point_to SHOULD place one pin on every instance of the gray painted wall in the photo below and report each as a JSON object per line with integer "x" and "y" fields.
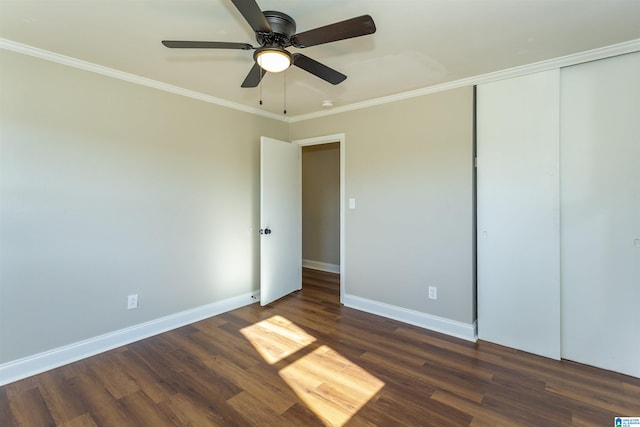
{"x": 409, "y": 165}
{"x": 109, "y": 188}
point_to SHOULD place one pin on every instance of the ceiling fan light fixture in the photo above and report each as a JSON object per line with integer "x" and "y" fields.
{"x": 273, "y": 59}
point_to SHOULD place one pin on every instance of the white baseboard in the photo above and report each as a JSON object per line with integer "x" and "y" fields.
{"x": 439, "y": 324}
{"x": 322, "y": 266}
{"x": 41, "y": 362}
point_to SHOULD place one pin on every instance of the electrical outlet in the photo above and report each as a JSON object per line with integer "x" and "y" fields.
{"x": 433, "y": 292}
{"x": 132, "y": 301}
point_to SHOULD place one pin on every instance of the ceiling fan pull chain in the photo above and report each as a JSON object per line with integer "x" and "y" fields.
{"x": 261, "y": 85}
{"x": 285, "y": 92}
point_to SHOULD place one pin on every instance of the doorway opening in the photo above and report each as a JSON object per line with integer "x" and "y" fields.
{"x": 321, "y": 207}
{"x": 323, "y": 192}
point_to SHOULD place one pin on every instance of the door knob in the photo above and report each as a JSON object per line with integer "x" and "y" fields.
{"x": 265, "y": 231}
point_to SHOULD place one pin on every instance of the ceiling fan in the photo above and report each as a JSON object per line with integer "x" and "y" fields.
{"x": 276, "y": 31}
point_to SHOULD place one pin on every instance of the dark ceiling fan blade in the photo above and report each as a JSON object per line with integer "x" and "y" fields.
{"x": 254, "y": 16}
{"x": 253, "y": 78}
{"x": 317, "y": 69}
{"x": 354, "y": 27}
{"x": 183, "y": 44}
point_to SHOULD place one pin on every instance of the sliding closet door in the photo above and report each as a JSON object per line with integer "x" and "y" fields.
{"x": 600, "y": 164}
{"x": 518, "y": 213}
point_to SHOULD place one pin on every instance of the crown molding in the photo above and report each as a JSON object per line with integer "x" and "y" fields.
{"x": 564, "y": 61}
{"x": 132, "y": 78}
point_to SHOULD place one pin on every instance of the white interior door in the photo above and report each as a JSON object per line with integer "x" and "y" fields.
{"x": 280, "y": 219}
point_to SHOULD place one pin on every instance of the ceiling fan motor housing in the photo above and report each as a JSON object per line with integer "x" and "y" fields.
{"x": 282, "y": 26}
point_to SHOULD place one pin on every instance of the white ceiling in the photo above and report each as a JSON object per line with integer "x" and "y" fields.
{"x": 418, "y": 43}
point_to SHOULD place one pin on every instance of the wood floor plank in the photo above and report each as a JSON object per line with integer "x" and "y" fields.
{"x": 182, "y": 411}
{"x": 60, "y": 397}
{"x": 300, "y": 414}
{"x": 256, "y": 413}
{"x": 260, "y": 391}
{"x": 141, "y": 411}
{"x": 268, "y": 374}
{"x": 617, "y": 406}
{"x": 536, "y": 407}
{"x": 229, "y": 345}
{"x": 84, "y": 420}
{"x": 419, "y": 410}
{"x": 103, "y": 408}
{"x": 481, "y": 415}
{"x": 114, "y": 379}
{"x": 28, "y": 408}
{"x": 146, "y": 379}
{"x": 305, "y": 360}
{"x": 5, "y": 409}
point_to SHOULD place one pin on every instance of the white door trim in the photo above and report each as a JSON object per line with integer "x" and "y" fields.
{"x": 339, "y": 137}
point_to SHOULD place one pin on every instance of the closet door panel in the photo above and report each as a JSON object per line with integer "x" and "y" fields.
{"x": 600, "y": 213}
{"x": 518, "y": 213}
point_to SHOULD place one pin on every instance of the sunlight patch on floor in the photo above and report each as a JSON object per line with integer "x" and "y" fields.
{"x": 276, "y": 338}
{"x": 332, "y": 386}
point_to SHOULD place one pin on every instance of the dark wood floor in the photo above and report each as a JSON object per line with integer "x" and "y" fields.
{"x": 308, "y": 361}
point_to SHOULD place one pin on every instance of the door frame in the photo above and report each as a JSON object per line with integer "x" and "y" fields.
{"x": 326, "y": 139}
